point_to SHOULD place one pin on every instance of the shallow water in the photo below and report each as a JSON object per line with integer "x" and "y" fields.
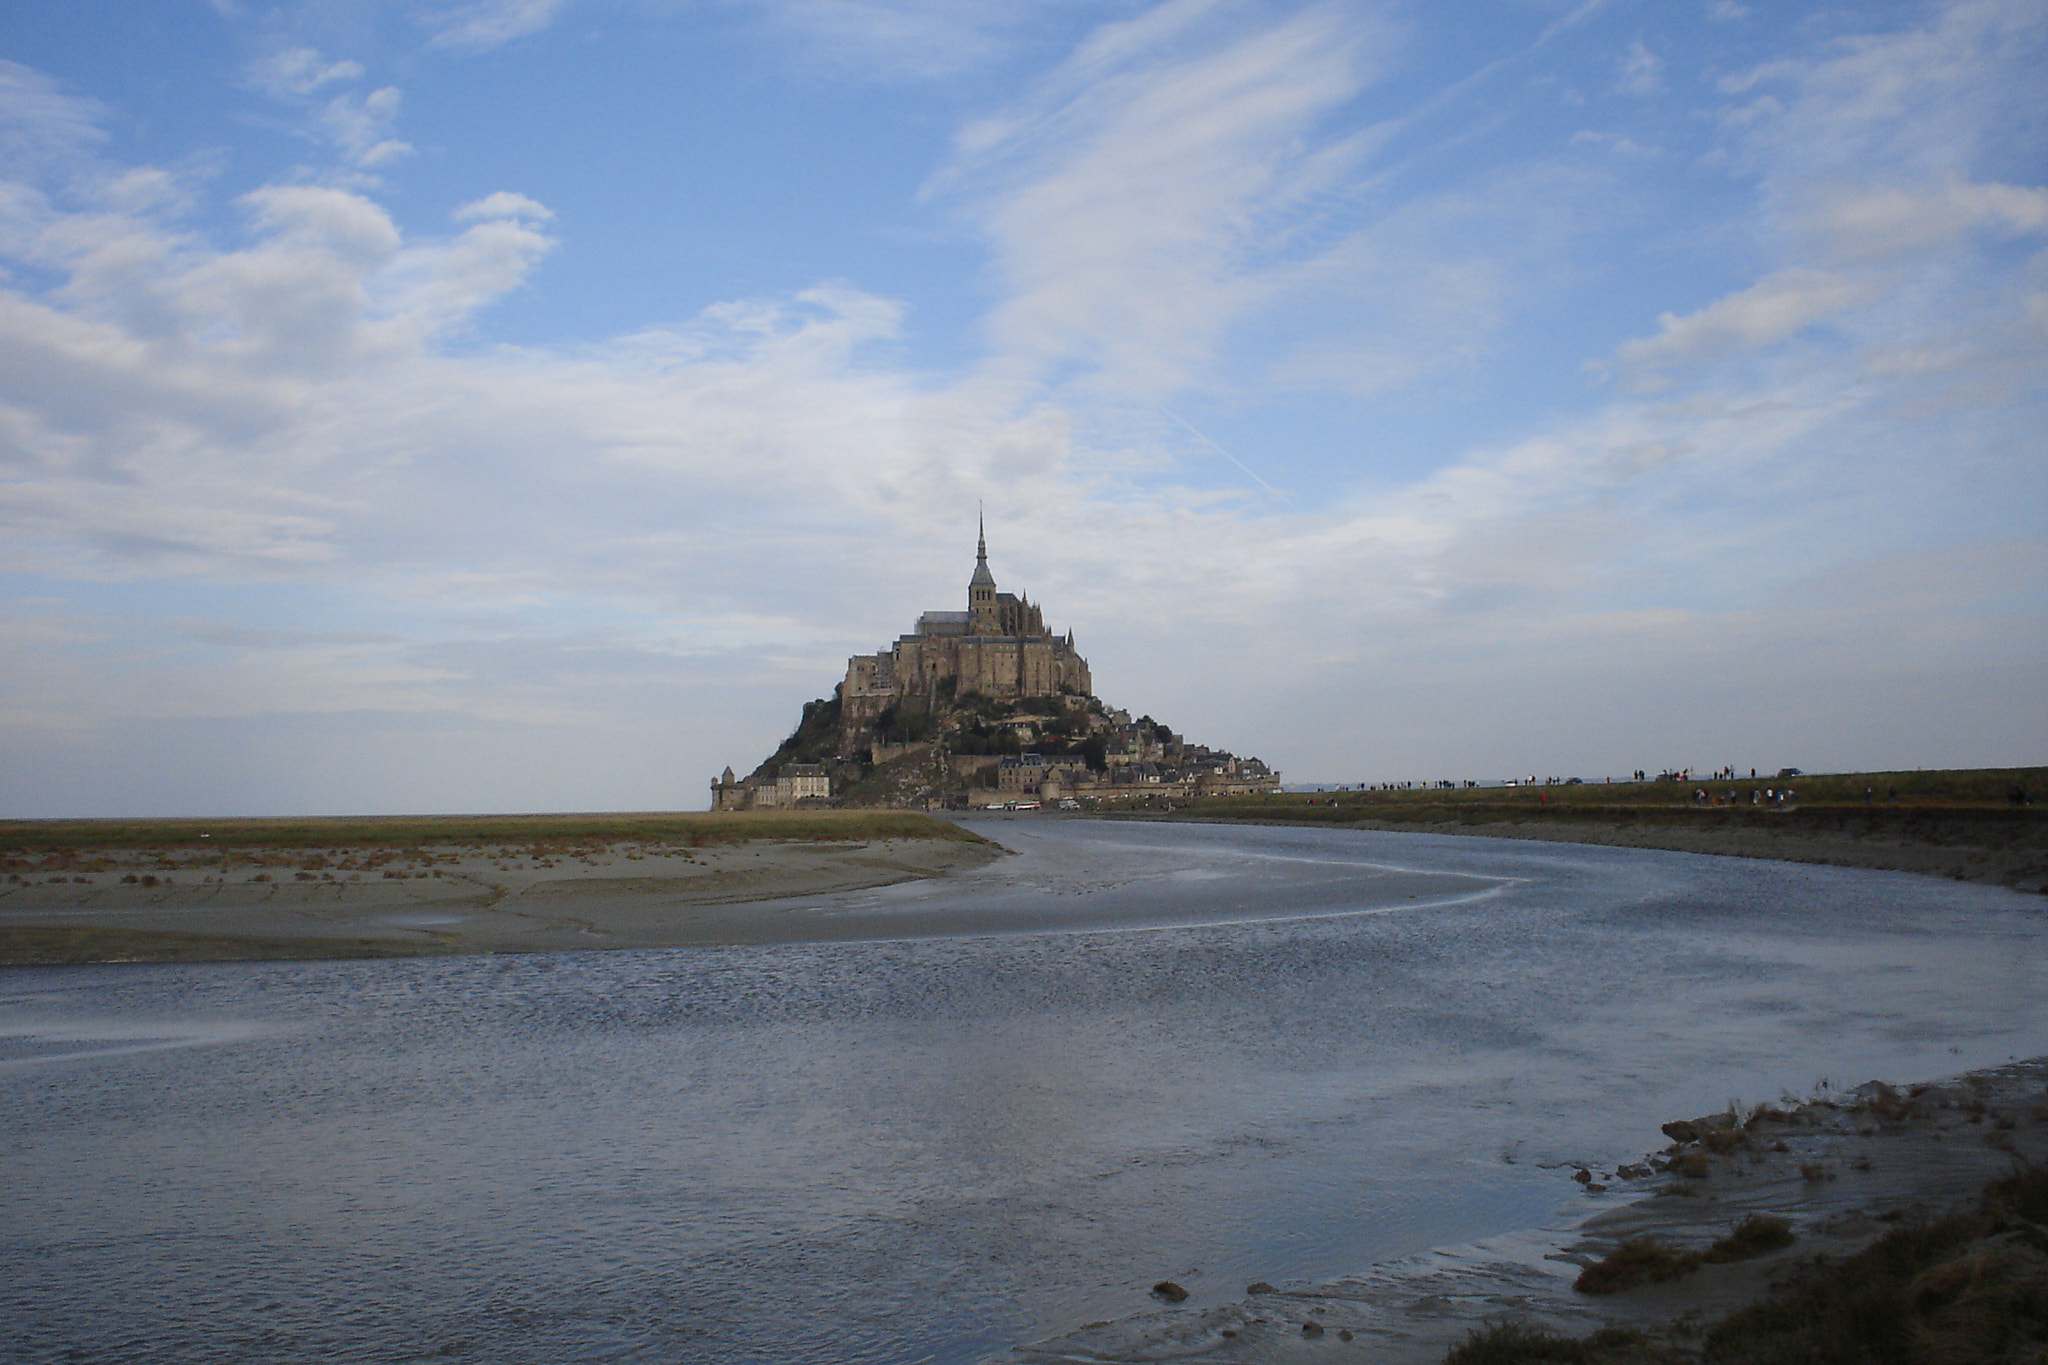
{"x": 1243, "y": 1053}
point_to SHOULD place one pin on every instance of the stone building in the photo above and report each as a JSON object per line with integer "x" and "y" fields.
{"x": 983, "y": 700}
{"x": 796, "y": 782}
{"x": 998, "y": 647}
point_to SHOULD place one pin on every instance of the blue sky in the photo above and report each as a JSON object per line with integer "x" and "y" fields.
{"x": 527, "y": 404}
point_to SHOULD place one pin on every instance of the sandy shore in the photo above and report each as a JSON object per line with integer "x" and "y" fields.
{"x": 191, "y": 905}
{"x": 1841, "y": 1170}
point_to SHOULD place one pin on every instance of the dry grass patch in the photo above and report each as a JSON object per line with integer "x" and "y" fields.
{"x": 57, "y": 842}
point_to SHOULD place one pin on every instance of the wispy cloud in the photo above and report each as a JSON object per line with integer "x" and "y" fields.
{"x": 295, "y": 71}
{"x": 1642, "y": 71}
{"x": 480, "y": 25}
{"x": 1767, "y": 312}
{"x": 1785, "y": 499}
{"x": 1142, "y": 199}
{"x": 898, "y": 40}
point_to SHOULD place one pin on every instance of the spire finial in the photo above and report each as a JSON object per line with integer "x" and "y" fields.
{"x": 982, "y": 577}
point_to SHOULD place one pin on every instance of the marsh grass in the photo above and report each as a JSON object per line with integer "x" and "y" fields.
{"x": 1756, "y": 1235}
{"x": 1968, "y": 806}
{"x": 1645, "y": 1260}
{"x": 540, "y": 835}
{"x": 1639, "y": 1260}
{"x": 1513, "y": 1344}
{"x": 39, "y": 946}
{"x": 1968, "y": 1288}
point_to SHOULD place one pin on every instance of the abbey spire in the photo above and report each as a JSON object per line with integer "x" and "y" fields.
{"x": 982, "y": 615}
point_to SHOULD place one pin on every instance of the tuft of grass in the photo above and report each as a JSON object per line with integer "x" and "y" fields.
{"x": 1639, "y": 1260}
{"x": 1691, "y": 1166}
{"x": 1961, "y": 1288}
{"x": 1645, "y": 1260}
{"x": 1755, "y": 1235}
{"x": 1953, "y": 1291}
{"x": 1510, "y": 1343}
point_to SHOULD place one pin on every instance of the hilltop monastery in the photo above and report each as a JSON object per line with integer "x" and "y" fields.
{"x": 984, "y": 698}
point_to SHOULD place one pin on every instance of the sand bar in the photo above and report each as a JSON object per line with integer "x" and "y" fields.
{"x": 192, "y": 902}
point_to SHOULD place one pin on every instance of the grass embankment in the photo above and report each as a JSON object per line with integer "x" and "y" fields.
{"x": 694, "y": 829}
{"x": 1891, "y": 794}
{"x": 1961, "y": 823}
{"x": 1969, "y": 1287}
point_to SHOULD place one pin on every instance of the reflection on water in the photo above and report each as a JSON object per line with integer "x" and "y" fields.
{"x": 930, "y": 1149}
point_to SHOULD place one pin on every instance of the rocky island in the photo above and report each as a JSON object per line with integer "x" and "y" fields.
{"x": 980, "y": 707}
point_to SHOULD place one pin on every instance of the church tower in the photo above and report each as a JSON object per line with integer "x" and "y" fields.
{"x": 982, "y": 618}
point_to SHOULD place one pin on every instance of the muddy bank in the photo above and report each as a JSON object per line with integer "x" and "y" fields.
{"x": 1840, "y": 1169}
{"x": 155, "y": 905}
{"x": 1992, "y": 847}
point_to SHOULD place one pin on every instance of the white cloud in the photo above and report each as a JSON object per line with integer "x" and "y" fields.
{"x": 1878, "y": 222}
{"x": 1642, "y": 71}
{"x": 503, "y": 204}
{"x": 40, "y": 124}
{"x": 296, "y": 71}
{"x": 359, "y": 126}
{"x": 1913, "y": 106}
{"x": 1767, "y": 312}
{"x": 1133, "y": 198}
{"x": 913, "y": 39}
{"x": 684, "y": 528}
{"x": 480, "y": 25}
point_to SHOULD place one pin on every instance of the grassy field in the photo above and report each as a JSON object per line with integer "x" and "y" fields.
{"x": 1958, "y": 823}
{"x": 1952, "y": 789}
{"x": 696, "y": 829}
{"x": 1980, "y": 797}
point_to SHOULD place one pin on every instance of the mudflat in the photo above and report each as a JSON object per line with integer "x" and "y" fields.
{"x": 1833, "y": 1172}
{"x": 226, "y": 893}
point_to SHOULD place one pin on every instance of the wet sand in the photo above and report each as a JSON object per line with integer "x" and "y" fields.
{"x": 1842, "y": 1169}
{"x": 158, "y": 905}
{"x": 1994, "y": 848}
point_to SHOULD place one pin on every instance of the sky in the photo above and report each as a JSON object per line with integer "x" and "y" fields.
{"x": 526, "y": 405}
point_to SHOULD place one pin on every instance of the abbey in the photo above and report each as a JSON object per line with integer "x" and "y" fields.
{"x": 976, "y": 704}
{"x": 998, "y": 648}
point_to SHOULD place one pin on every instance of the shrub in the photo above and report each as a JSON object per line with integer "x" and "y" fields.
{"x": 1510, "y": 1343}
{"x": 1753, "y": 1236}
{"x": 1690, "y": 1165}
{"x": 1639, "y": 1260}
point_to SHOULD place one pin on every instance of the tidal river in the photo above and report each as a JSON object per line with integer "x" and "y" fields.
{"x": 1131, "y": 1052}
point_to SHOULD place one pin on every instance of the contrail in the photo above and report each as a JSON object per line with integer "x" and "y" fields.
{"x": 1224, "y": 453}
